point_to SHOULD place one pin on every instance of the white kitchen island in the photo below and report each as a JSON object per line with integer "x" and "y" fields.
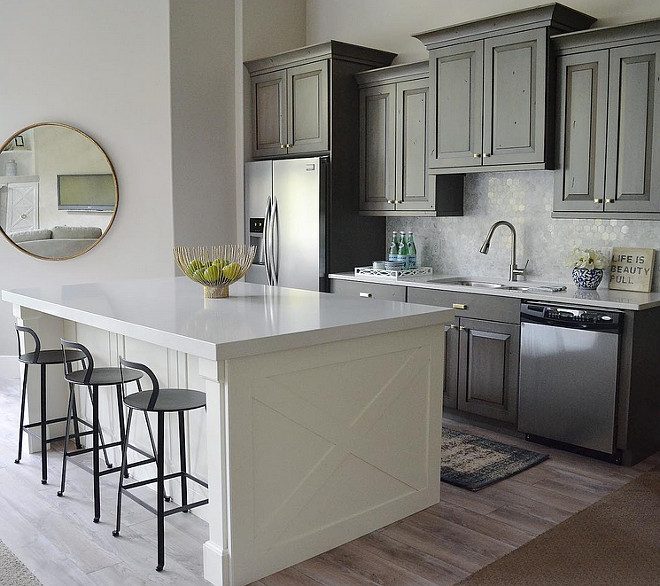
{"x": 323, "y": 417}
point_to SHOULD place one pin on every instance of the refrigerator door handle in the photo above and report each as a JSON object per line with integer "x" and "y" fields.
{"x": 275, "y": 242}
{"x": 267, "y": 242}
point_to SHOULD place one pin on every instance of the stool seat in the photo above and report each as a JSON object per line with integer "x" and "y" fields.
{"x": 104, "y": 376}
{"x": 50, "y": 357}
{"x": 167, "y": 400}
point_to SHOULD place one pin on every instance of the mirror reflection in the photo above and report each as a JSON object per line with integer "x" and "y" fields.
{"x": 58, "y": 191}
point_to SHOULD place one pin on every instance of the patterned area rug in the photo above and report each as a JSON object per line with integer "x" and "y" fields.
{"x": 13, "y": 571}
{"x": 474, "y": 462}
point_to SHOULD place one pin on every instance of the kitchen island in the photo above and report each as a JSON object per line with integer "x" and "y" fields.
{"x": 323, "y": 414}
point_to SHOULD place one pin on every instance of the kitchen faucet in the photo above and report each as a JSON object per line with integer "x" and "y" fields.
{"x": 514, "y": 271}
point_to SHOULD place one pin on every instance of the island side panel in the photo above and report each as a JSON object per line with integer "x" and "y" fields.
{"x": 330, "y": 442}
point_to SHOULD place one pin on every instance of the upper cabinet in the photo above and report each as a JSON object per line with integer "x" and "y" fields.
{"x": 609, "y": 123}
{"x": 492, "y": 91}
{"x": 394, "y": 111}
{"x": 292, "y": 95}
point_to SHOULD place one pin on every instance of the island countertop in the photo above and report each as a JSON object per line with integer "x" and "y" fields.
{"x": 254, "y": 319}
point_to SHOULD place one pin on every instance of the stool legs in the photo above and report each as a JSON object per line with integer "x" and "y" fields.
{"x": 20, "y": 423}
{"x": 44, "y": 457}
{"x": 95, "y": 452}
{"x": 100, "y": 431}
{"x": 160, "y": 493}
{"x": 182, "y": 456}
{"x": 124, "y": 470}
{"x": 67, "y": 428}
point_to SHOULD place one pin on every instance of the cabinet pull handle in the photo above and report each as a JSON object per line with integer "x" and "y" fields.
{"x": 597, "y": 200}
{"x": 366, "y": 295}
{"x": 453, "y": 326}
{"x": 462, "y": 329}
{"x": 288, "y": 146}
{"x": 391, "y": 201}
{"x": 459, "y": 305}
{"x": 609, "y": 200}
{"x": 282, "y": 146}
{"x": 399, "y": 201}
{"x": 486, "y": 154}
{"x": 476, "y": 155}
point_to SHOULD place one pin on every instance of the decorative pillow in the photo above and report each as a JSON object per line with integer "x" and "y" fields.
{"x": 76, "y": 232}
{"x": 28, "y": 235}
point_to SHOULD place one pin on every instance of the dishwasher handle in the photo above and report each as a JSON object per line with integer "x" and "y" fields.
{"x": 577, "y": 318}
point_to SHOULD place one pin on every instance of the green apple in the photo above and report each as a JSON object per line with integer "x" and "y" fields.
{"x": 221, "y": 263}
{"x": 231, "y": 271}
{"x": 212, "y": 273}
{"x": 193, "y": 266}
{"x": 198, "y": 275}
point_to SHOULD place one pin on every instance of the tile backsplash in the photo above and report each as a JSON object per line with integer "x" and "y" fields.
{"x": 524, "y": 198}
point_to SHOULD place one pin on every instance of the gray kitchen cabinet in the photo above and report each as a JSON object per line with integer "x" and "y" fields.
{"x": 367, "y": 290}
{"x": 609, "y": 123}
{"x": 393, "y": 147}
{"x": 293, "y": 93}
{"x": 492, "y": 91}
{"x": 482, "y": 351}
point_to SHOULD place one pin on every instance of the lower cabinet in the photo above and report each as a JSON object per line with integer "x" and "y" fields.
{"x": 481, "y": 352}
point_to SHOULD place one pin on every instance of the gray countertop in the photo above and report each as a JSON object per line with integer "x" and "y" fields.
{"x": 601, "y": 297}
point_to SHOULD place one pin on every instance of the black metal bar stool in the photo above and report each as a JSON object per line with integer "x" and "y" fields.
{"x": 93, "y": 378}
{"x": 159, "y": 401}
{"x": 43, "y": 358}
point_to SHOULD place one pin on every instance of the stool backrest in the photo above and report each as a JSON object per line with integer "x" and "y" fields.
{"x": 37, "y": 343}
{"x": 155, "y": 387}
{"x": 68, "y": 345}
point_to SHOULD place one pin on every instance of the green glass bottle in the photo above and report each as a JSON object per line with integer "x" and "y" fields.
{"x": 402, "y": 255}
{"x": 394, "y": 248}
{"x": 412, "y": 252}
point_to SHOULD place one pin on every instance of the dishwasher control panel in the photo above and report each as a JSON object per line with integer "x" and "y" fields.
{"x": 582, "y": 318}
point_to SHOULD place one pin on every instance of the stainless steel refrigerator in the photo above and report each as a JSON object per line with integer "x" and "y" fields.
{"x": 285, "y": 203}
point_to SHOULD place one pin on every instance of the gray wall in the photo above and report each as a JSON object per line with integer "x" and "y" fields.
{"x": 524, "y": 198}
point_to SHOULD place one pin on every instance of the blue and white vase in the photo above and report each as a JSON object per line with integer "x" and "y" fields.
{"x": 587, "y": 278}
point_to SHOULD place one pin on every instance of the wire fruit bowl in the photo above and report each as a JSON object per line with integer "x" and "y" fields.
{"x": 215, "y": 267}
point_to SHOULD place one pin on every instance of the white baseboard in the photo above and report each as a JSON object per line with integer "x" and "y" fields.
{"x": 9, "y": 367}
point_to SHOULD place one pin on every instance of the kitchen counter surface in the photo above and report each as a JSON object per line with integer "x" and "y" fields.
{"x": 254, "y": 319}
{"x": 601, "y": 297}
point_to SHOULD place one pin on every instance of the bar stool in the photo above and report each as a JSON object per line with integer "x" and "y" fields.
{"x": 94, "y": 378}
{"x": 159, "y": 401}
{"x": 43, "y": 358}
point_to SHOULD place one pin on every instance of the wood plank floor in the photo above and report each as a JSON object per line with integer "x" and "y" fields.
{"x": 56, "y": 539}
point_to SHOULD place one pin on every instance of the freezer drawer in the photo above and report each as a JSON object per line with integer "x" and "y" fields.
{"x": 568, "y": 385}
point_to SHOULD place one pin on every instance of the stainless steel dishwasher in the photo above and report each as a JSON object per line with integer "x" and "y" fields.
{"x": 568, "y": 375}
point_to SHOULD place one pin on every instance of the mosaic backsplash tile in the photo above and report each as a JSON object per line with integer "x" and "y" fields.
{"x": 524, "y": 198}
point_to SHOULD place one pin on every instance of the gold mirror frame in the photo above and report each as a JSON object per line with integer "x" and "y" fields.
{"x": 112, "y": 171}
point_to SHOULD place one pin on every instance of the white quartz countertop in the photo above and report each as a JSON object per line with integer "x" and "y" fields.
{"x": 254, "y": 319}
{"x": 601, "y": 297}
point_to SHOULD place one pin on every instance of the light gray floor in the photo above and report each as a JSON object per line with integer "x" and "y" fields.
{"x": 56, "y": 538}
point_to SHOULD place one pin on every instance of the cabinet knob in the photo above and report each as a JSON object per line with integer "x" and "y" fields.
{"x": 453, "y": 326}
{"x": 288, "y": 145}
{"x": 486, "y": 154}
{"x": 476, "y": 155}
{"x": 598, "y": 200}
{"x": 399, "y": 201}
{"x": 391, "y": 201}
{"x": 282, "y": 146}
{"x": 462, "y": 329}
{"x": 459, "y": 305}
{"x": 365, "y": 295}
{"x": 609, "y": 200}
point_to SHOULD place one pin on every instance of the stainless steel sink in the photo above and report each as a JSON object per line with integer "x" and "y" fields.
{"x": 468, "y": 283}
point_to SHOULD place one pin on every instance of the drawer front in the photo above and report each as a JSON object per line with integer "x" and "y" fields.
{"x": 490, "y": 307}
{"x": 368, "y": 290}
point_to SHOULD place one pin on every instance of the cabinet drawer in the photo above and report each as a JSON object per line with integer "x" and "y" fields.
{"x": 500, "y": 309}
{"x": 368, "y": 290}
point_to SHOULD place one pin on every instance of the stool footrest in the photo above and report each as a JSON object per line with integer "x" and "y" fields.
{"x": 167, "y": 513}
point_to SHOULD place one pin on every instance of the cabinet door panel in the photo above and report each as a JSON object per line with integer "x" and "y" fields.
{"x": 450, "y": 394}
{"x": 514, "y": 98}
{"x": 582, "y": 126}
{"x": 488, "y": 370}
{"x": 411, "y": 161}
{"x": 633, "y": 160}
{"x": 455, "y": 132}
{"x": 377, "y": 147}
{"x": 268, "y": 114}
{"x": 307, "y": 92}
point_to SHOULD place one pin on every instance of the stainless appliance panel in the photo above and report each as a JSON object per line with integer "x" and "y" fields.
{"x": 258, "y": 190}
{"x": 568, "y": 383}
{"x": 297, "y": 239}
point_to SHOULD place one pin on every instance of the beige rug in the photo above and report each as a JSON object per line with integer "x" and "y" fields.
{"x": 615, "y": 541}
{"x": 13, "y": 571}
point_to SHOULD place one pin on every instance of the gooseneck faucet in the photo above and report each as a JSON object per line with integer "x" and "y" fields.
{"x": 514, "y": 271}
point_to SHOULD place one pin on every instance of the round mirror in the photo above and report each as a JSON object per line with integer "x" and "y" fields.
{"x": 58, "y": 191}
